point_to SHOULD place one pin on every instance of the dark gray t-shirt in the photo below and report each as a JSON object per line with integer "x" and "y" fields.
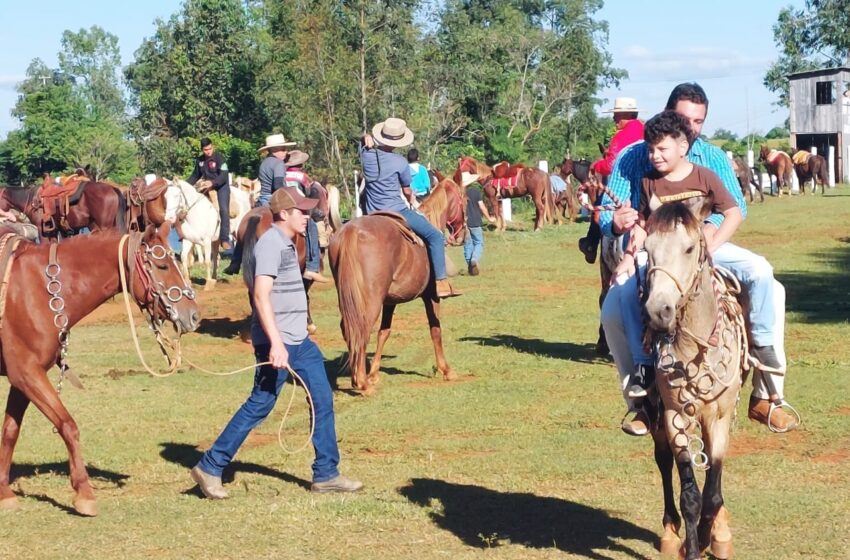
{"x": 271, "y": 168}
{"x": 275, "y": 256}
{"x": 385, "y": 174}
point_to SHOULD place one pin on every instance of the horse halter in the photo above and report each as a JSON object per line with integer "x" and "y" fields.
{"x": 685, "y": 295}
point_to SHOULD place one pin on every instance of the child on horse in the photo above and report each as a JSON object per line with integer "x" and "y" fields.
{"x": 388, "y": 181}
{"x": 298, "y": 178}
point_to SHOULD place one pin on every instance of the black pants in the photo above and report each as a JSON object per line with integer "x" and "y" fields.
{"x": 223, "y": 194}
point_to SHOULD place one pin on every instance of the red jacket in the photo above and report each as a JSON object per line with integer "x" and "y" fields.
{"x": 629, "y": 134}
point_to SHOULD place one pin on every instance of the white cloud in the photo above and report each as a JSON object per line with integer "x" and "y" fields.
{"x": 696, "y": 63}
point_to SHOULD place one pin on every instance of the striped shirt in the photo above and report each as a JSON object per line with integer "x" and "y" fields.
{"x": 633, "y": 164}
{"x": 275, "y": 256}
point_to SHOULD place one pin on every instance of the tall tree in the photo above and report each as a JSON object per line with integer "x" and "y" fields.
{"x": 92, "y": 57}
{"x": 815, "y": 36}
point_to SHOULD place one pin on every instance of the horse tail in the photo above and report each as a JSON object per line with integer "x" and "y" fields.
{"x": 248, "y": 242}
{"x": 333, "y": 208}
{"x": 351, "y": 289}
{"x": 121, "y": 216}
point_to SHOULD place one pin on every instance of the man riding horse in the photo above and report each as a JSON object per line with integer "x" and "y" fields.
{"x": 210, "y": 172}
{"x": 387, "y": 178}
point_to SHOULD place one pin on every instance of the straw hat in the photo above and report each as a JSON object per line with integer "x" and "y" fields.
{"x": 275, "y": 141}
{"x": 297, "y": 157}
{"x": 624, "y": 105}
{"x": 392, "y": 132}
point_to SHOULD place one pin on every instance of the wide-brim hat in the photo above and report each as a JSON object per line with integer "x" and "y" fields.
{"x": 297, "y": 157}
{"x": 287, "y": 198}
{"x": 275, "y": 141}
{"x": 624, "y": 105}
{"x": 392, "y": 132}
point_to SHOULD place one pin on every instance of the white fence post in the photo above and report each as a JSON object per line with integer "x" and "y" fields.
{"x": 831, "y": 161}
{"x": 751, "y": 159}
{"x": 506, "y": 209}
{"x": 357, "y": 210}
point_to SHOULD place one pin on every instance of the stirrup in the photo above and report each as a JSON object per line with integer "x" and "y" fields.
{"x": 782, "y": 404}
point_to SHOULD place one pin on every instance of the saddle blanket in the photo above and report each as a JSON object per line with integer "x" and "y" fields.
{"x": 802, "y": 157}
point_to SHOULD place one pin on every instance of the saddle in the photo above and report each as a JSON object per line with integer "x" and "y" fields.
{"x": 139, "y": 194}
{"x": 801, "y": 157}
{"x": 506, "y": 175}
{"x": 399, "y": 222}
{"x": 56, "y": 200}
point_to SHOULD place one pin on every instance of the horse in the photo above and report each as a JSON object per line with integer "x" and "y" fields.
{"x": 378, "y": 263}
{"x": 698, "y": 327}
{"x": 778, "y": 164}
{"x": 530, "y": 181}
{"x": 566, "y": 203}
{"x": 746, "y": 177}
{"x": 197, "y": 222}
{"x": 97, "y": 206}
{"x": 147, "y": 203}
{"x": 812, "y": 167}
{"x": 55, "y": 285}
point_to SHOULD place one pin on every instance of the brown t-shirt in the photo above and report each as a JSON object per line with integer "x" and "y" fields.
{"x": 657, "y": 190}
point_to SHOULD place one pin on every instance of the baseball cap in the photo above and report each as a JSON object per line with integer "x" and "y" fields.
{"x": 287, "y": 198}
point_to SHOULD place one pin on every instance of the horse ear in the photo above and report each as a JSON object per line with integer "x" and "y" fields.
{"x": 704, "y": 210}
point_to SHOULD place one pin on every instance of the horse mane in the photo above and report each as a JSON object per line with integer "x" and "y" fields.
{"x": 436, "y": 204}
{"x": 669, "y": 216}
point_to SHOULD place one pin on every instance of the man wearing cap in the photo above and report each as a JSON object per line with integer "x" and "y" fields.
{"x": 212, "y": 171}
{"x": 629, "y": 131}
{"x": 279, "y": 336}
{"x": 387, "y": 177}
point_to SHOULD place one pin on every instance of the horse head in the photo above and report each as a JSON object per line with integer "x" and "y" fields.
{"x": 156, "y": 282}
{"x": 469, "y": 171}
{"x": 764, "y": 151}
{"x": 677, "y": 257}
{"x": 445, "y": 208}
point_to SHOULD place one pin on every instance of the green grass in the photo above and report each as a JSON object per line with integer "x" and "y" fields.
{"x": 522, "y": 458}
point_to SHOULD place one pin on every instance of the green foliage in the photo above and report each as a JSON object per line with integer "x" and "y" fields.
{"x": 777, "y": 132}
{"x": 723, "y": 134}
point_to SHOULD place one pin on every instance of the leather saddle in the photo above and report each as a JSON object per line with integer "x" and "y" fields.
{"x": 506, "y": 175}
{"x": 56, "y": 199}
{"x": 399, "y": 222}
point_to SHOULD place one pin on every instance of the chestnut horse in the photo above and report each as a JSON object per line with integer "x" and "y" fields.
{"x": 376, "y": 266}
{"x": 100, "y": 206}
{"x": 701, "y": 344}
{"x": 566, "y": 203}
{"x": 530, "y": 181}
{"x": 814, "y": 168}
{"x": 147, "y": 203}
{"x": 746, "y": 177}
{"x": 54, "y": 285}
{"x": 778, "y": 164}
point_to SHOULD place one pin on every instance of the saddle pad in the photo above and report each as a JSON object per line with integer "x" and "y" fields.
{"x": 399, "y": 221}
{"x": 506, "y": 182}
{"x": 802, "y": 157}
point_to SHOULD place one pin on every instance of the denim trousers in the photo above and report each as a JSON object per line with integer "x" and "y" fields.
{"x": 223, "y": 194}
{"x": 307, "y": 361}
{"x": 433, "y": 238}
{"x": 314, "y": 255}
{"x": 473, "y": 244}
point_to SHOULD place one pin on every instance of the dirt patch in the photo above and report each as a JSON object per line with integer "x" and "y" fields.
{"x": 793, "y": 444}
{"x": 116, "y": 374}
{"x": 843, "y": 411}
{"x": 838, "y": 456}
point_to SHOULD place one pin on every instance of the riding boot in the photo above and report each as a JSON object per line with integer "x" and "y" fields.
{"x": 641, "y": 380}
{"x": 235, "y": 260}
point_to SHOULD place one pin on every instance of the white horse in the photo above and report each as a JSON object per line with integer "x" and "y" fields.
{"x": 240, "y": 204}
{"x": 199, "y": 224}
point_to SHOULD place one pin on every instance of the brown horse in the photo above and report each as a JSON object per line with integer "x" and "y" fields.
{"x": 746, "y": 177}
{"x": 376, "y": 266}
{"x": 778, "y": 164}
{"x": 100, "y": 206}
{"x": 530, "y": 181}
{"x": 566, "y": 203}
{"x": 147, "y": 203}
{"x": 46, "y": 293}
{"x": 699, "y": 330}
{"x": 813, "y": 168}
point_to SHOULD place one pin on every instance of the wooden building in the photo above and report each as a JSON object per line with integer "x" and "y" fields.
{"x": 820, "y": 115}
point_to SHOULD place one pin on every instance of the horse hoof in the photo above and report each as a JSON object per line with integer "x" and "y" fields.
{"x": 10, "y": 504}
{"x": 209, "y": 285}
{"x": 86, "y": 507}
{"x": 449, "y": 375}
{"x": 722, "y": 549}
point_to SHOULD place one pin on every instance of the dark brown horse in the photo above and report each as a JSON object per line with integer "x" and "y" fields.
{"x": 811, "y": 167}
{"x": 100, "y": 206}
{"x": 530, "y": 181}
{"x": 778, "y": 164}
{"x": 566, "y": 203}
{"x": 377, "y": 266}
{"x": 147, "y": 203}
{"x": 85, "y": 273}
{"x": 746, "y": 177}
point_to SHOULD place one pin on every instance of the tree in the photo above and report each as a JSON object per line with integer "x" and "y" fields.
{"x": 723, "y": 134}
{"x": 777, "y": 132}
{"x": 92, "y": 57}
{"x": 816, "y": 36}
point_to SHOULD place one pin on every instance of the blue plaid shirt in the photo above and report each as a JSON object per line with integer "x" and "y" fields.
{"x": 633, "y": 164}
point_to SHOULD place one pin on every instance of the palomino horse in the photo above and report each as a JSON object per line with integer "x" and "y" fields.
{"x": 701, "y": 341}
{"x": 198, "y": 224}
{"x": 100, "y": 206}
{"x": 55, "y": 285}
{"x": 530, "y": 181}
{"x": 376, "y": 266}
{"x": 778, "y": 164}
{"x": 746, "y": 177}
{"x": 811, "y": 167}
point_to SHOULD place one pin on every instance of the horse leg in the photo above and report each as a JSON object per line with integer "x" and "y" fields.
{"x": 208, "y": 256}
{"x": 38, "y": 389}
{"x": 16, "y": 406}
{"x": 432, "y": 310}
{"x": 540, "y": 211}
{"x": 185, "y": 257}
{"x": 383, "y": 334}
{"x": 714, "y": 524}
{"x": 671, "y": 543}
{"x": 690, "y": 502}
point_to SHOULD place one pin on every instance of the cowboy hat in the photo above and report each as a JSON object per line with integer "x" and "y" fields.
{"x": 392, "y": 132}
{"x": 624, "y": 105}
{"x": 297, "y": 157}
{"x": 275, "y": 141}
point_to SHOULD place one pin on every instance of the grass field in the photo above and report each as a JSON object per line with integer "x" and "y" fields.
{"x": 520, "y": 458}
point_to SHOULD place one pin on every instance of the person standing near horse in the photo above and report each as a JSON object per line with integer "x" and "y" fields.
{"x": 296, "y": 177}
{"x": 211, "y": 172}
{"x": 387, "y": 178}
{"x": 421, "y": 180}
{"x": 766, "y": 296}
{"x": 473, "y": 244}
{"x": 629, "y": 130}
{"x": 279, "y": 336}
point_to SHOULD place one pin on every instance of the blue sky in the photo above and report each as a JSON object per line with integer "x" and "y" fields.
{"x": 725, "y": 45}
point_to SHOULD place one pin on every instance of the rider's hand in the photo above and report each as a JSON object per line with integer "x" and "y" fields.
{"x": 278, "y": 356}
{"x": 624, "y": 219}
{"x": 626, "y": 268}
{"x": 368, "y": 141}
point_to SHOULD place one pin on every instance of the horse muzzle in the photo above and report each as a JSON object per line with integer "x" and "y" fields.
{"x": 662, "y": 314}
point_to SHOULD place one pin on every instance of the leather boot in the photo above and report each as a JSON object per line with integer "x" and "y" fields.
{"x": 445, "y": 290}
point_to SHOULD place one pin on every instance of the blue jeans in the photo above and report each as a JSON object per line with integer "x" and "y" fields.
{"x": 433, "y": 238}
{"x": 314, "y": 256}
{"x": 223, "y": 194}
{"x": 756, "y": 277}
{"x": 307, "y": 361}
{"x": 473, "y": 245}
